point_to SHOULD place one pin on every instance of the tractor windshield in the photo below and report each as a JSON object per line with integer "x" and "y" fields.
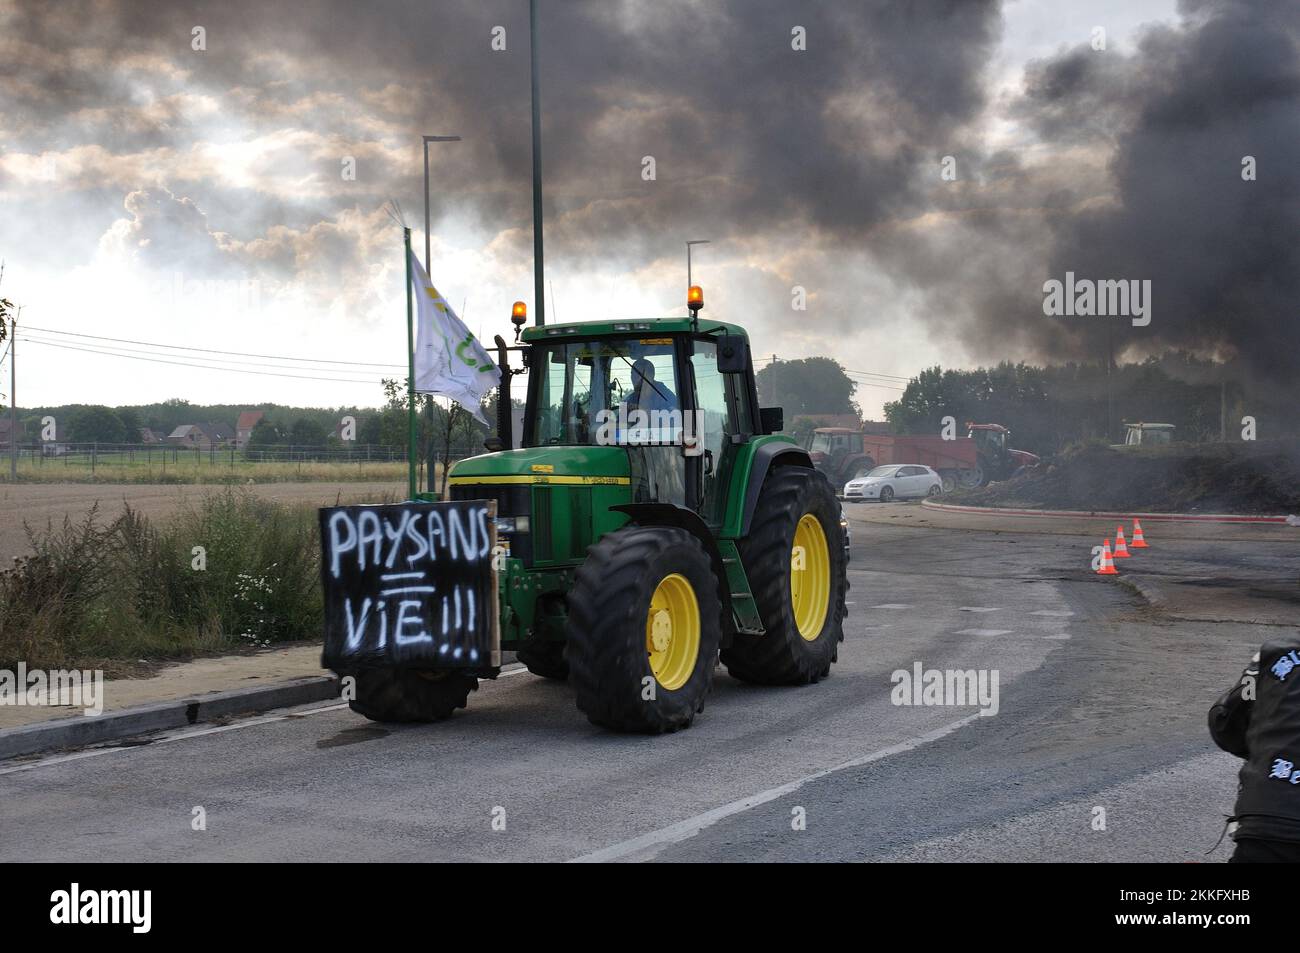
{"x": 605, "y": 391}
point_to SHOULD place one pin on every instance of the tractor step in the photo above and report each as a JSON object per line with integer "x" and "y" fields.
{"x": 744, "y": 610}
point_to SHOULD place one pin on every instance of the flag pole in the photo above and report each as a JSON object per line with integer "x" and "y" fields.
{"x": 411, "y": 431}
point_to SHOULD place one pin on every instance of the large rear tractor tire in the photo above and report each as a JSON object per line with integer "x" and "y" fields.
{"x": 644, "y": 622}
{"x": 403, "y": 695}
{"x": 794, "y": 555}
{"x": 545, "y": 659}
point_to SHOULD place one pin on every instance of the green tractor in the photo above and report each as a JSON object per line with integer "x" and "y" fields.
{"x": 650, "y": 519}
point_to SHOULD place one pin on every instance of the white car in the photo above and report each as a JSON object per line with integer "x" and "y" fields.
{"x": 894, "y": 482}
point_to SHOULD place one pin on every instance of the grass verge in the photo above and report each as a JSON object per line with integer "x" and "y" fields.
{"x": 226, "y": 572}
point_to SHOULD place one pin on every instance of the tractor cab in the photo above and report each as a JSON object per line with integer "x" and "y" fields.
{"x": 997, "y": 459}
{"x": 989, "y": 438}
{"x": 655, "y": 396}
{"x": 832, "y": 442}
{"x": 640, "y": 412}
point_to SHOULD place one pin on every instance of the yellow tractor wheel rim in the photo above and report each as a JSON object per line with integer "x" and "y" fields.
{"x": 672, "y": 632}
{"x": 810, "y": 577}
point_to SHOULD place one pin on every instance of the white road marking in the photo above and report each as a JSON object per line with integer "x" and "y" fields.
{"x": 977, "y": 609}
{"x": 1053, "y": 612}
{"x": 654, "y": 842}
{"x": 1060, "y": 637}
{"x": 892, "y": 605}
{"x": 184, "y": 734}
{"x": 983, "y": 632}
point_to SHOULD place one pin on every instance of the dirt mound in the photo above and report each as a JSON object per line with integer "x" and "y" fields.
{"x": 1258, "y": 478}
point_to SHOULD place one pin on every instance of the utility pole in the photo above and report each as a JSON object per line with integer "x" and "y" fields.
{"x": 539, "y": 291}
{"x": 13, "y": 396}
{"x": 1110, "y": 392}
{"x": 1223, "y": 408}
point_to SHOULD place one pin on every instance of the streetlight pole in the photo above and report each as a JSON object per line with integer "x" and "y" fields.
{"x": 430, "y": 462}
{"x": 427, "y": 140}
{"x": 693, "y": 241}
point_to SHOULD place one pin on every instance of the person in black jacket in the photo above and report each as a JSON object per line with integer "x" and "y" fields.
{"x": 1259, "y": 719}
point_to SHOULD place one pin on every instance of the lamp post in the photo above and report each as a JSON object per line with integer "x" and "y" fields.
{"x": 693, "y": 241}
{"x": 430, "y": 462}
{"x": 427, "y": 140}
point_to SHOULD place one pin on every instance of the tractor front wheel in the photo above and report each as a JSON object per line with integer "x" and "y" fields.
{"x": 644, "y": 623}
{"x": 403, "y": 695}
{"x": 794, "y": 554}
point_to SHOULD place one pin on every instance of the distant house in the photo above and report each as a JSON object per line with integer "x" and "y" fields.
{"x": 244, "y": 427}
{"x": 201, "y": 435}
{"x": 219, "y": 435}
{"x": 188, "y": 435}
{"x": 149, "y": 435}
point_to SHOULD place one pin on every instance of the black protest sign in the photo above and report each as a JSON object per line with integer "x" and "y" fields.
{"x": 410, "y": 585}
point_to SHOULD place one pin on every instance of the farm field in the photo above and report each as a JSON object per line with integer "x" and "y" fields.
{"x": 186, "y": 467}
{"x": 37, "y": 503}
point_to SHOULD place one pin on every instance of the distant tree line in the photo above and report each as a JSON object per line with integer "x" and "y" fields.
{"x": 1048, "y": 408}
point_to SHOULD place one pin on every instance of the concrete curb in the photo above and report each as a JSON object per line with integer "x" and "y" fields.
{"x": 1104, "y": 514}
{"x": 82, "y": 730}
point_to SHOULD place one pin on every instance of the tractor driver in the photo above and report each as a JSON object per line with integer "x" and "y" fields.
{"x": 647, "y": 393}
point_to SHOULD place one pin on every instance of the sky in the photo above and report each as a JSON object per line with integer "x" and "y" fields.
{"x": 176, "y": 178}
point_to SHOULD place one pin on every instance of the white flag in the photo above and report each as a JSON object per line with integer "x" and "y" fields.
{"x": 449, "y": 361}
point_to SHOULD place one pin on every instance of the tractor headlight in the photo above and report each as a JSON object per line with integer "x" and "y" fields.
{"x": 507, "y": 525}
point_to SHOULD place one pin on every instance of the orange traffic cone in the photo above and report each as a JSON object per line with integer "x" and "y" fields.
{"x": 1121, "y": 548}
{"x": 1138, "y": 541}
{"x": 1107, "y": 563}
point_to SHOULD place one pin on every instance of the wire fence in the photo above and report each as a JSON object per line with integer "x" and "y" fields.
{"x": 55, "y": 461}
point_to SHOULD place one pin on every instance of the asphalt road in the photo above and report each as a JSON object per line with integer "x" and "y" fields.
{"x": 1101, "y": 705}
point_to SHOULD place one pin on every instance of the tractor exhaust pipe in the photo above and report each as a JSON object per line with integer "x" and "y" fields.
{"x": 505, "y": 413}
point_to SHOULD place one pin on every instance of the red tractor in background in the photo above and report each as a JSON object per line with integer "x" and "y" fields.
{"x": 997, "y": 460}
{"x": 982, "y": 456}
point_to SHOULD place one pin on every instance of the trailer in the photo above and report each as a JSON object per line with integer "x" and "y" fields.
{"x": 842, "y": 454}
{"x": 956, "y": 461}
{"x": 974, "y": 460}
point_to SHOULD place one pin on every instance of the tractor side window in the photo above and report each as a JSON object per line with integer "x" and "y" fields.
{"x": 711, "y": 394}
